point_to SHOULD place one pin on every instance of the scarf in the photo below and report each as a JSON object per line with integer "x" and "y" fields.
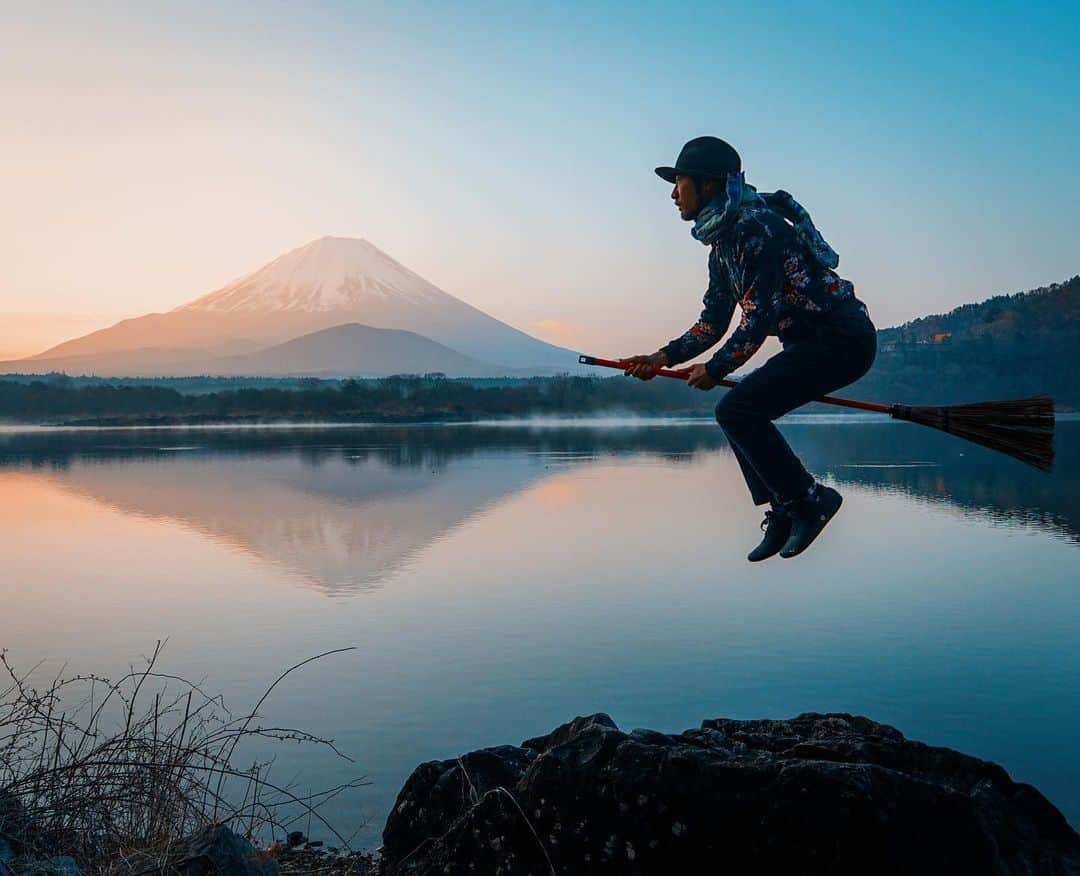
{"x": 718, "y": 216}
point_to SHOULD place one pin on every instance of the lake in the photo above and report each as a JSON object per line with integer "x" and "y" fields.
{"x": 499, "y": 579}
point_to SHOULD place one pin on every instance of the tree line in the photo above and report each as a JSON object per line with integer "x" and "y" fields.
{"x": 1007, "y": 346}
{"x": 390, "y": 398}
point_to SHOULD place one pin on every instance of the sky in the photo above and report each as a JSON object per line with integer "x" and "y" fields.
{"x": 152, "y": 152}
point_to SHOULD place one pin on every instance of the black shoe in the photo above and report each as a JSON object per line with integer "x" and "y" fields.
{"x": 777, "y": 526}
{"x": 809, "y": 515}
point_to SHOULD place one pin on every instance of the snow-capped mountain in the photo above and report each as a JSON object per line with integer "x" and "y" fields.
{"x": 332, "y": 273}
{"x": 328, "y": 282}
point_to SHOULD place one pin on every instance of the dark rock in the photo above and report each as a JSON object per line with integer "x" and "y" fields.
{"x": 566, "y": 732}
{"x": 438, "y": 792}
{"x": 295, "y": 838}
{"x": 836, "y": 794}
{"x": 217, "y": 850}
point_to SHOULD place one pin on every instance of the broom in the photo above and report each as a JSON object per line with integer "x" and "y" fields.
{"x": 1022, "y": 428}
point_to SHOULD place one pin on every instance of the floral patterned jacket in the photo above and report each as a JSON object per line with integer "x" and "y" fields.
{"x": 778, "y": 284}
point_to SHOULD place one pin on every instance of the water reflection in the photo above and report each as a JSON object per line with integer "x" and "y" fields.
{"x": 341, "y": 525}
{"x": 514, "y": 593}
{"x": 344, "y": 507}
{"x": 941, "y": 469}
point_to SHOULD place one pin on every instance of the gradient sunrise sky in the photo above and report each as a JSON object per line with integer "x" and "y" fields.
{"x": 151, "y": 152}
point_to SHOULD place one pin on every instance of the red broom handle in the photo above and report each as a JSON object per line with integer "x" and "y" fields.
{"x": 683, "y": 373}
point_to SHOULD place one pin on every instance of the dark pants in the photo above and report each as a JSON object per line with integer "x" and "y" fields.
{"x": 824, "y": 358}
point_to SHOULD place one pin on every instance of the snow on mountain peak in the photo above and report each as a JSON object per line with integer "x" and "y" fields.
{"x": 331, "y": 273}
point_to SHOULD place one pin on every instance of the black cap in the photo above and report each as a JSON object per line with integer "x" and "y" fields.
{"x": 703, "y": 156}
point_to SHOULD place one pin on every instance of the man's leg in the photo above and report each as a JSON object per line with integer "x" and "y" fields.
{"x": 746, "y": 413}
{"x": 777, "y": 522}
{"x": 787, "y": 381}
{"x": 799, "y": 374}
{"x": 758, "y": 491}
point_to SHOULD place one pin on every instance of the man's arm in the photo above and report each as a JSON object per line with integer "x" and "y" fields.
{"x": 761, "y": 255}
{"x": 719, "y": 304}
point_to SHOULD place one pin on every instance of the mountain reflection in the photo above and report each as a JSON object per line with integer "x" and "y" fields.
{"x": 344, "y": 508}
{"x": 343, "y": 525}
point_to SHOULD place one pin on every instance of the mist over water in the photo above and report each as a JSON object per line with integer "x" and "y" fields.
{"x": 498, "y": 579}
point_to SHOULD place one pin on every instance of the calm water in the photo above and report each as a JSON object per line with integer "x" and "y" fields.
{"x": 498, "y": 580}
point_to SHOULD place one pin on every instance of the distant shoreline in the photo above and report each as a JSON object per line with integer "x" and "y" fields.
{"x": 402, "y": 400}
{"x": 596, "y": 421}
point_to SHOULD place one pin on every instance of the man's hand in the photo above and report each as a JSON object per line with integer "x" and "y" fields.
{"x": 699, "y": 378}
{"x": 644, "y": 367}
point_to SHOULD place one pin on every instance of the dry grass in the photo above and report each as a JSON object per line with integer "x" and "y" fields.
{"x": 114, "y": 771}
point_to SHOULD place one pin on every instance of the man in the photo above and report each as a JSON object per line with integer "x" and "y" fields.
{"x": 765, "y": 255}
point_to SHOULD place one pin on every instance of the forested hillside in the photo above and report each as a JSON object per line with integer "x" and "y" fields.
{"x": 1009, "y": 345}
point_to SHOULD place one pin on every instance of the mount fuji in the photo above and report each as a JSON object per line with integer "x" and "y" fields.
{"x": 333, "y": 281}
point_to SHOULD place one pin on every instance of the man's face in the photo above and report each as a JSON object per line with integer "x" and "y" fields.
{"x": 686, "y": 197}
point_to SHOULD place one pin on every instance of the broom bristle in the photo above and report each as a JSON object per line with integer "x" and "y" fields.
{"x": 1023, "y": 428}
